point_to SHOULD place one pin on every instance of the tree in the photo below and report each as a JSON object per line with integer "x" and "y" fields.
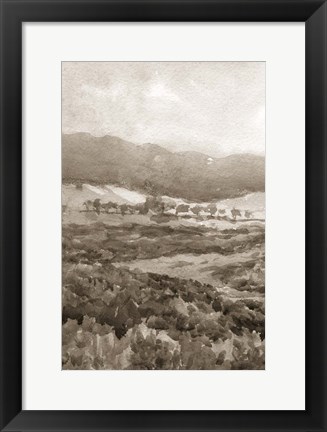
{"x": 196, "y": 210}
{"x": 139, "y": 207}
{"x": 114, "y": 206}
{"x": 248, "y": 214}
{"x": 97, "y": 205}
{"x": 181, "y": 208}
{"x": 212, "y": 208}
{"x": 143, "y": 208}
{"x": 123, "y": 209}
{"x": 131, "y": 209}
{"x": 155, "y": 204}
{"x": 169, "y": 205}
{"x": 162, "y": 207}
{"x": 235, "y": 212}
{"x": 222, "y": 211}
{"x": 107, "y": 206}
{"x": 88, "y": 205}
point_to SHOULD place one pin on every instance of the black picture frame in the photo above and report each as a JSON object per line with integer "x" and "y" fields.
{"x": 13, "y": 14}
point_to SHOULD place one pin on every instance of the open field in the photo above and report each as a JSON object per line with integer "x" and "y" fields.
{"x": 147, "y": 292}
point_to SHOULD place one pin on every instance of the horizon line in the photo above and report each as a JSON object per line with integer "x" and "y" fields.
{"x": 261, "y": 154}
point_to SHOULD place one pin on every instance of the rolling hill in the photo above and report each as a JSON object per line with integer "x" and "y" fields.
{"x": 152, "y": 169}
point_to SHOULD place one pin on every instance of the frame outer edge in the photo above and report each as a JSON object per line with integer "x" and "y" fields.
{"x": 10, "y": 216}
{"x": 316, "y": 216}
{"x": 10, "y": 225}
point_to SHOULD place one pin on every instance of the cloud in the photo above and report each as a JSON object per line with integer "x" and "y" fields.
{"x": 217, "y": 108}
{"x": 160, "y": 91}
{"x": 113, "y": 92}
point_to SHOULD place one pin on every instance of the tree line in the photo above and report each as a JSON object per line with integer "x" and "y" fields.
{"x": 160, "y": 207}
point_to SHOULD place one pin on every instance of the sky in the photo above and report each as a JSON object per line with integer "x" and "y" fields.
{"x": 216, "y": 108}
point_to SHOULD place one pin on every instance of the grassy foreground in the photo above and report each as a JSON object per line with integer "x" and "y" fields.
{"x": 118, "y": 316}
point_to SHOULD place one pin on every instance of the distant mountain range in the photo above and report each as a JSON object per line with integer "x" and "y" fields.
{"x": 151, "y": 169}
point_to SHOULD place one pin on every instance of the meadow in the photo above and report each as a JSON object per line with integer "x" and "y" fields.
{"x": 155, "y": 290}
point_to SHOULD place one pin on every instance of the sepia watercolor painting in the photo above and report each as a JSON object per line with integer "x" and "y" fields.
{"x": 163, "y": 215}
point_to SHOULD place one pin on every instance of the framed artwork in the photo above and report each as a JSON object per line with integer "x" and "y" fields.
{"x": 178, "y": 270}
{"x": 163, "y": 215}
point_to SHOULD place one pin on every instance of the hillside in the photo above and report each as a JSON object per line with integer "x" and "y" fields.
{"x": 152, "y": 169}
